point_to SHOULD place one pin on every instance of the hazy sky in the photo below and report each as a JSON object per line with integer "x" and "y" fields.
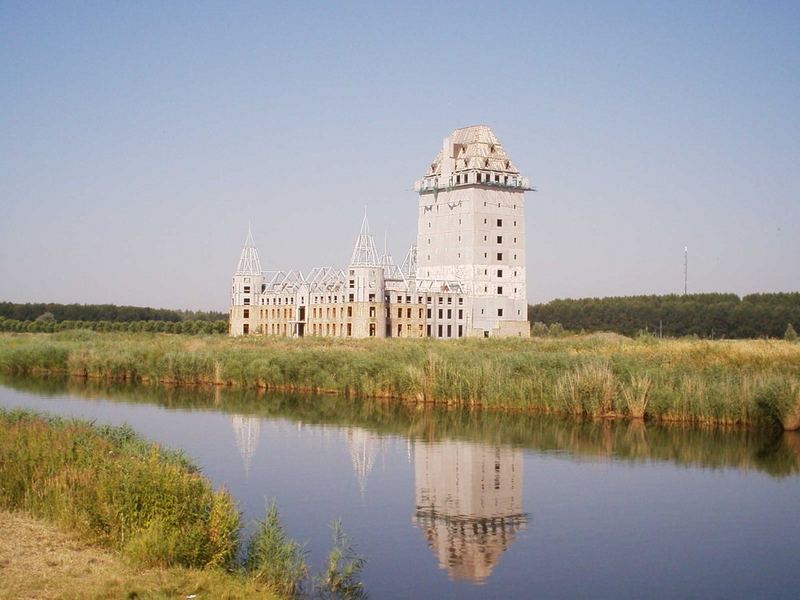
{"x": 137, "y": 139}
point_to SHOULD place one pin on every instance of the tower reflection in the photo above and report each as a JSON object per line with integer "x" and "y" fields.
{"x": 469, "y": 504}
{"x": 247, "y": 431}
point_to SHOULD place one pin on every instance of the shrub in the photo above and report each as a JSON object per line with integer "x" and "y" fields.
{"x": 274, "y": 559}
{"x": 342, "y": 569}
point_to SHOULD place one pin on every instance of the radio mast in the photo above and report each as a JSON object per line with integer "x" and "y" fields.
{"x": 685, "y": 270}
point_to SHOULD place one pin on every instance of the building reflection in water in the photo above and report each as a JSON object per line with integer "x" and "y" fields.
{"x": 469, "y": 504}
{"x": 247, "y": 431}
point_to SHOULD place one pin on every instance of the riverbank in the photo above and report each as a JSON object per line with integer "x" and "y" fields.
{"x": 753, "y": 382}
{"x": 40, "y": 560}
{"x": 101, "y": 513}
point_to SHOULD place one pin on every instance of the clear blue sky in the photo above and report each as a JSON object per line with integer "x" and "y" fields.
{"x": 138, "y": 139}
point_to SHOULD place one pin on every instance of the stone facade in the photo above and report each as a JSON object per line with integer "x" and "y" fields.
{"x": 464, "y": 277}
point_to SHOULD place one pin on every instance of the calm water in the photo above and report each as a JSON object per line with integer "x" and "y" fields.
{"x": 446, "y": 504}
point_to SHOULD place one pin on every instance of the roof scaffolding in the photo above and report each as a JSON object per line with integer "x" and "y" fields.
{"x": 249, "y": 263}
{"x": 474, "y": 147}
{"x": 390, "y": 270}
{"x": 365, "y": 254}
{"x": 409, "y": 266}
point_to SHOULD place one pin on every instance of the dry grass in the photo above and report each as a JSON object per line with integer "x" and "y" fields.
{"x": 695, "y": 381}
{"x": 39, "y": 561}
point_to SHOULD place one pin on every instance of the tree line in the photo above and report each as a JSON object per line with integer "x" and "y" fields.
{"x": 46, "y": 325}
{"x": 703, "y": 315}
{"x": 103, "y": 312}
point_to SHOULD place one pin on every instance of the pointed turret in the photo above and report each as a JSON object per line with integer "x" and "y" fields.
{"x": 249, "y": 263}
{"x": 409, "y": 266}
{"x": 390, "y": 270}
{"x": 365, "y": 254}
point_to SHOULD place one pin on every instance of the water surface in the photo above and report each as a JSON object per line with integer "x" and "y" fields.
{"x": 457, "y": 504}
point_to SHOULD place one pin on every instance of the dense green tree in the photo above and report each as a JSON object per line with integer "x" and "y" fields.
{"x": 703, "y": 315}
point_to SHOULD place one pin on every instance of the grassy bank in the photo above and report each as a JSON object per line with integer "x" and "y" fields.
{"x": 154, "y": 511}
{"x": 766, "y": 450}
{"x": 40, "y": 560}
{"x": 710, "y": 382}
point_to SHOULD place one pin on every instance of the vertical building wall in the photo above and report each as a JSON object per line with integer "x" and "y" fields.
{"x": 475, "y": 233}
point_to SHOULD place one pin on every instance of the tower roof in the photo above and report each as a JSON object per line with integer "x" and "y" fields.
{"x": 365, "y": 254}
{"x": 249, "y": 263}
{"x": 473, "y": 147}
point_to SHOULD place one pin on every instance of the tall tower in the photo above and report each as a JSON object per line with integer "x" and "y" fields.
{"x": 246, "y": 289}
{"x": 366, "y": 286}
{"x": 471, "y": 228}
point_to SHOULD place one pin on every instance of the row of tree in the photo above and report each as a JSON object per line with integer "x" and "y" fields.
{"x": 704, "y": 315}
{"x": 103, "y": 312}
{"x": 49, "y": 325}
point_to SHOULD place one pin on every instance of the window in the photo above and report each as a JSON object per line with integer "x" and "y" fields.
{"x": 428, "y": 331}
{"x": 449, "y": 299}
{"x": 460, "y": 313}
{"x": 458, "y": 178}
{"x": 349, "y": 312}
{"x": 460, "y": 301}
{"x": 449, "y": 331}
{"x": 352, "y": 283}
{"x": 349, "y": 329}
{"x": 372, "y": 297}
{"x": 408, "y": 313}
{"x": 499, "y": 239}
{"x": 246, "y": 329}
{"x": 371, "y": 311}
{"x": 372, "y": 329}
{"x": 499, "y": 289}
{"x": 399, "y": 330}
{"x": 246, "y": 314}
{"x": 515, "y": 223}
{"x": 420, "y": 313}
{"x": 499, "y": 256}
{"x": 460, "y": 331}
{"x": 485, "y": 239}
{"x": 515, "y": 240}
{"x": 247, "y": 301}
{"x": 441, "y": 312}
{"x": 499, "y": 272}
{"x": 499, "y": 222}
{"x": 351, "y": 297}
{"x": 429, "y": 313}
{"x": 247, "y": 289}
{"x": 499, "y": 312}
{"x": 408, "y": 299}
{"x": 440, "y": 330}
{"x": 449, "y": 313}
{"x": 399, "y": 313}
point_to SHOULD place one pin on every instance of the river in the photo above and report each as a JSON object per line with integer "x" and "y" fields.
{"x": 459, "y": 504}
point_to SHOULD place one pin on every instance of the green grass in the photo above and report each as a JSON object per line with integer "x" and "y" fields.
{"x": 698, "y": 381}
{"x": 764, "y": 449}
{"x": 151, "y": 506}
{"x": 112, "y": 487}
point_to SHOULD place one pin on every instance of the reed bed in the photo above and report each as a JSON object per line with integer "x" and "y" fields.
{"x": 751, "y": 382}
{"x": 115, "y": 489}
{"x": 154, "y": 508}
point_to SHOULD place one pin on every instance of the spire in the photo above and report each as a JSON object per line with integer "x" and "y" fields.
{"x": 247, "y": 430}
{"x": 409, "y": 266}
{"x": 365, "y": 254}
{"x": 390, "y": 270}
{"x": 249, "y": 263}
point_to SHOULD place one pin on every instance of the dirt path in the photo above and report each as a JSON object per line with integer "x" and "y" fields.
{"x": 40, "y": 562}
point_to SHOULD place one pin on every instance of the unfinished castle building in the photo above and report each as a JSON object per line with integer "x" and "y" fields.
{"x": 465, "y": 277}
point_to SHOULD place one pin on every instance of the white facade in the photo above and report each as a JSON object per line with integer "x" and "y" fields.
{"x": 465, "y": 276}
